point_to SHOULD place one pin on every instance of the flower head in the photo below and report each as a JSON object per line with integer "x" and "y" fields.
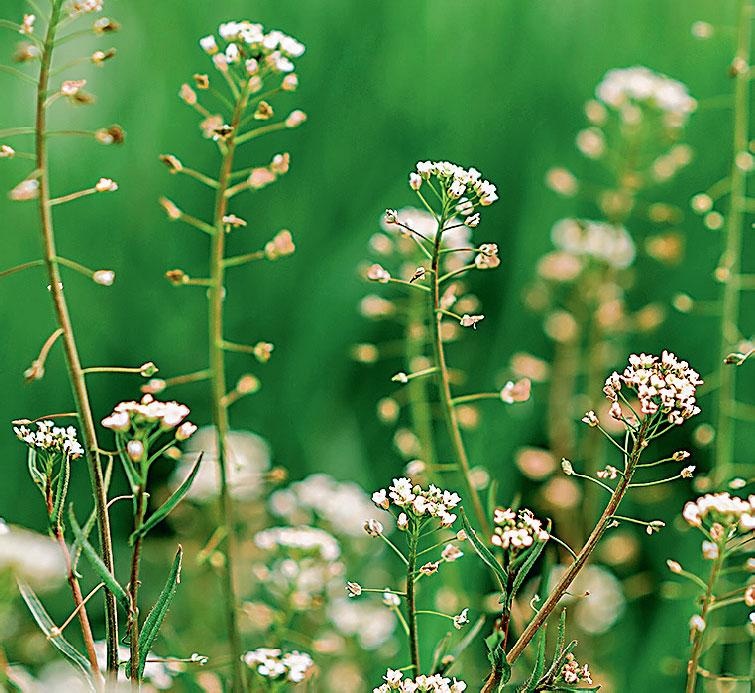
{"x": 51, "y": 439}
{"x": 517, "y": 530}
{"x": 279, "y": 666}
{"x": 147, "y": 415}
{"x": 457, "y": 182}
{"x": 663, "y": 385}
{"x": 416, "y": 503}
{"x": 722, "y": 509}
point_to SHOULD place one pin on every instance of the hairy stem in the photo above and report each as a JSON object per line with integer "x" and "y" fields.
{"x": 219, "y": 385}
{"x": 584, "y": 555}
{"x": 730, "y": 264}
{"x": 78, "y": 601}
{"x": 140, "y": 507}
{"x": 444, "y": 385}
{"x": 411, "y": 604}
{"x": 697, "y": 640}
{"x": 73, "y": 363}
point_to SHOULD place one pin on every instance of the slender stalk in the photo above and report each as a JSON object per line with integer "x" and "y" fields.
{"x": 218, "y": 384}
{"x": 80, "y": 608}
{"x": 444, "y": 385}
{"x": 73, "y": 363}
{"x": 592, "y": 541}
{"x": 140, "y": 507}
{"x": 411, "y": 605}
{"x": 697, "y": 640}
{"x": 730, "y": 263}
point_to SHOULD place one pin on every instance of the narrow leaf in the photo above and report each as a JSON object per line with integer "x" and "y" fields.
{"x": 61, "y": 491}
{"x": 96, "y": 562}
{"x": 484, "y": 553}
{"x": 532, "y": 555}
{"x": 47, "y": 625}
{"x": 531, "y": 685}
{"x": 175, "y": 498}
{"x": 156, "y": 616}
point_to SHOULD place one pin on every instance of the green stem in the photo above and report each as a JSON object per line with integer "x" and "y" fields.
{"x": 444, "y": 386}
{"x": 731, "y": 260}
{"x": 411, "y": 605}
{"x": 697, "y": 641}
{"x": 73, "y": 363}
{"x": 140, "y": 507}
{"x": 573, "y": 570}
{"x": 218, "y": 384}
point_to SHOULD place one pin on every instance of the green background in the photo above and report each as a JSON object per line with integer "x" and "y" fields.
{"x": 497, "y": 84}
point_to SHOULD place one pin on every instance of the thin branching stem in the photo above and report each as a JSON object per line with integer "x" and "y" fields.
{"x": 216, "y": 295}
{"x": 76, "y": 376}
{"x": 731, "y": 260}
{"x": 444, "y": 386}
{"x": 574, "y": 569}
{"x": 697, "y": 637}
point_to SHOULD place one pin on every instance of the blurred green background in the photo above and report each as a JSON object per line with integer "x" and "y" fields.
{"x": 498, "y": 85}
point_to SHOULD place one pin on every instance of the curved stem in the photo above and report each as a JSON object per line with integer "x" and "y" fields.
{"x": 79, "y": 603}
{"x": 444, "y": 385}
{"x": 573, "y": 570}
{"x": 73, "y": 363}
{"x": 697, "y": 641}
{"x": 218, "y": 384}
{"x": 731, "y": 260}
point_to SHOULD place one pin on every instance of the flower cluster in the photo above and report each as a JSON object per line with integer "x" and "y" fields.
{"x": 277, "y": 665}
{"x": 459, "y": 183}
{"x": 722, "y": 509}
{"x": 417, "y": 502}
{"x": 666, "y": 385}
{"x": 395, "y": 681}
{"x": 308, "y": 540}
{"x": 516, "y": 530}
{"x": 51, "y": 438}
{"x": 631, "y": 87}
{"x": 149, "y": 413}
{"x": 572, "y": 673}
{"x": 595, "y": 239}
{"x": 249, "y": 45}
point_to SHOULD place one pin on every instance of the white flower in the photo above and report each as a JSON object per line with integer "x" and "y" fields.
{"x": 209, "y": 44}
{"x": 373, "y": 528}
{"x": 52, "y": 439}
{"x": 415, "y": 181}
{"x": 272, "y": 663}
{"x": 697, "y": 623}
{"x": 378, "y": 273}
{"x": 602, "y": 241}
{"x": 461, "y": 619}
{"x": 354, "y": 589}
{"x": 470, "y": 320}
{"x": 106, "y": 185}
{"x": 451, "y": 553}
{"x": 310, "y": 540}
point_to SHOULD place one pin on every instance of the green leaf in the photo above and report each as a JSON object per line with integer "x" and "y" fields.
{"x": 61, "y": 491}
{"x": 156, "y": 616}
{"x": 48, "y": 628}
{"x": 175, "y": 498}
{"x": 484, "y": 553}
{"x": 531, "y": 556}
{"x": 37, "y": 477}
{"x": 85, "y": 531}
{"x": 96, "y": 562}
{"x": 531, "y": 685}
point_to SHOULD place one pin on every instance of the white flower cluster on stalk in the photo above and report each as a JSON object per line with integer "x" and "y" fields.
{"x": 639, "y": 86}
{"x": 86, "y": 6}
{"x": 466, "y": 185}
{"x": 572, "y": 673}
{"x": 416, "y": 502}
{"x": 277, "y": 665}
{"x": 309, "y": 540}
{"x": 250, "y": 47}
{"x": 516, "y": 530}
{"x": 150, "y": 413}
{"x": 662, "y": 384}
{"x": 722, "y": 509}
{"x": 595, "y": 239}
{"x": 395, "y": 681}
{"x": 51, "y": 438}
